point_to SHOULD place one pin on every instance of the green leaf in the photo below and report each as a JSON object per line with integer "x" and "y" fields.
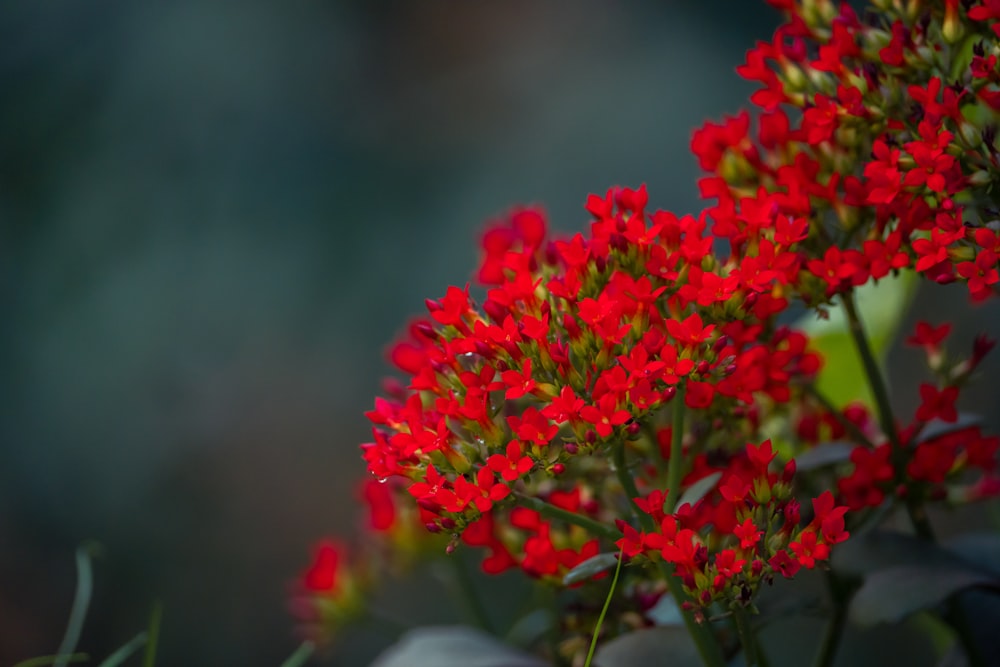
{"x": 153, "y": 634}
{"x": 697, "y": 491}
{"x": 982, "y": 549}
{"x": 453, "y": 646}
{"x": 43, "y": 660}
{"x": 301, "y": 655}
{"x": 665, "y": 645}
{"x": 590, "y": 567}
{"x": 665, "y": 612}
{"x": 824, "y": 454}
{"x": 876, "y": 550}
{"x": 890, "y": 595}
{"x": 531, "y": 627}
{"x": 81, "y": 602}
{"x": 935, "y": 428}
{"x": 126, "y": 651}
{"x": 882, "y": 307}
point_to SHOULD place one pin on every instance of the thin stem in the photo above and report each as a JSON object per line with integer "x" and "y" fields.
{"x": 704, "y": 639}
{"x": 153, "y": 634}
{"x": 839, "y": 594}
{"x": 604, "y": 610}
{"x": 874, "y": 373}
{"x": 78, "y": 613}
{"x": 915, "y": 509}
{"x": 849, "y": 426}
{"x": 747, "y": 639}
{"x": 628, "y": 485}
{"x": 466, "y": 589}
{"x": 301, "y": 655}
{"x": 675, "y": 467}
{"x": 550, "y": 511}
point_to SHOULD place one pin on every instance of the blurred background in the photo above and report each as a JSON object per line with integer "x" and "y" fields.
{"x": 214, "y": 216}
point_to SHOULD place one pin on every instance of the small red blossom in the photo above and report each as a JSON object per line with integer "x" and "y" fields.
{"x": 939, "y": 404}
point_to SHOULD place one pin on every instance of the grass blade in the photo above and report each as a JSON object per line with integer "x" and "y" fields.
{"x": 125, "y": 652}
{"x": 153, "y": 634}
{"x": 302, "y": 653}
{"x": 81, "y": 602}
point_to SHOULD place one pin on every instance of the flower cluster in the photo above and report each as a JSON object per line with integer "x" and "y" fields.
{"x": 881, "y": 131}
{"x": 601, "y": 389}
{"x": 722, "y": 547}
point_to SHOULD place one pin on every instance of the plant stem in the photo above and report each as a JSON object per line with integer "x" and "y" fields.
{"x": 628, "y": 485}
{"x": 604, "y": 610}
{"x": 81, "y": 601}
{"x": 915, "y": 509}
{"x": 838, "y": 414}
{"x": 301, "y": 655}
{"x": 747, "y": 639}
{"x": 550, "y": 511}
{"x": 840, "y": 595}
{"x": 874, "y": 373}
{"x": 675, "y": 467}
{"x": 701, "y": 633}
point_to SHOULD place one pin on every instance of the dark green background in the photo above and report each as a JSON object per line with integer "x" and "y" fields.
{"x": 213, "y": 218}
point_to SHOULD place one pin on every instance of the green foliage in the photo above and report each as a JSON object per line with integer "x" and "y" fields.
{"x": 882, "y": 307}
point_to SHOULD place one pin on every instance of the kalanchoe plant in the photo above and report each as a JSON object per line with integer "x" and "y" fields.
{"x": 637, "y": 395}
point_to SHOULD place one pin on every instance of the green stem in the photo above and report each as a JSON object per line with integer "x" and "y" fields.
{"x": 675, "y": 467}
{"x": 153, "y": 634}
{"x": 840, "y": 595}
{"x": 78, "y": 613}
{"x": 915, "y": 509}
{"x": 466, "y": 589}
{"x": 849, "y": 426}
{"x": 550, "y": 511}
{"x": 301, "y": 655}
{"x": 604, "y": 610}
{"x": 875, "y": 379}
{"x": 747, "y": 640}
{"x": 628, "y": 485}
{"x": 704, "y": 639}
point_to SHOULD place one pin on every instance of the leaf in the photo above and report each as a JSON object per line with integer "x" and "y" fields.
{"x": 530, "y": 628}
{"x": 882, "y": 306}
{"x": 654, "y": 646}
{"x": 125, "y": 652}
{"x": 153, "y": 634}
{"x": 665, "y": 612}
{"x": 300, "y": 656}
{"x": 453, "y": 646}
{"x": 44, "y": 660}
{"x": 824, "y": 454}
{"x": 590, "y": 567}
{"x": 890, "y": 595}
{"x": 81, "y": 602}
{"x": 697, "y": 491}
{"x": 981, "y": 549}
{"x": 935, "y": 428}
{"x": 877, "y": 550}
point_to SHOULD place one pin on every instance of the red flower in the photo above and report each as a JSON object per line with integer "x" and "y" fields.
{"x": 605, "y": 415}
{"x": 808, "y": 549}
{"x": 785, "y": 564}
{"x": 323, "y": 576}
{"x": 512, "y": 465}
{"x": 938, "y": 404}
{"x": 519, "y": 382}
{"x": 748, "y": 533}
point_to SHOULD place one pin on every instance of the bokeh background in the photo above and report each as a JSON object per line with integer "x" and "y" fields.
{"x": 214, "y": 216}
